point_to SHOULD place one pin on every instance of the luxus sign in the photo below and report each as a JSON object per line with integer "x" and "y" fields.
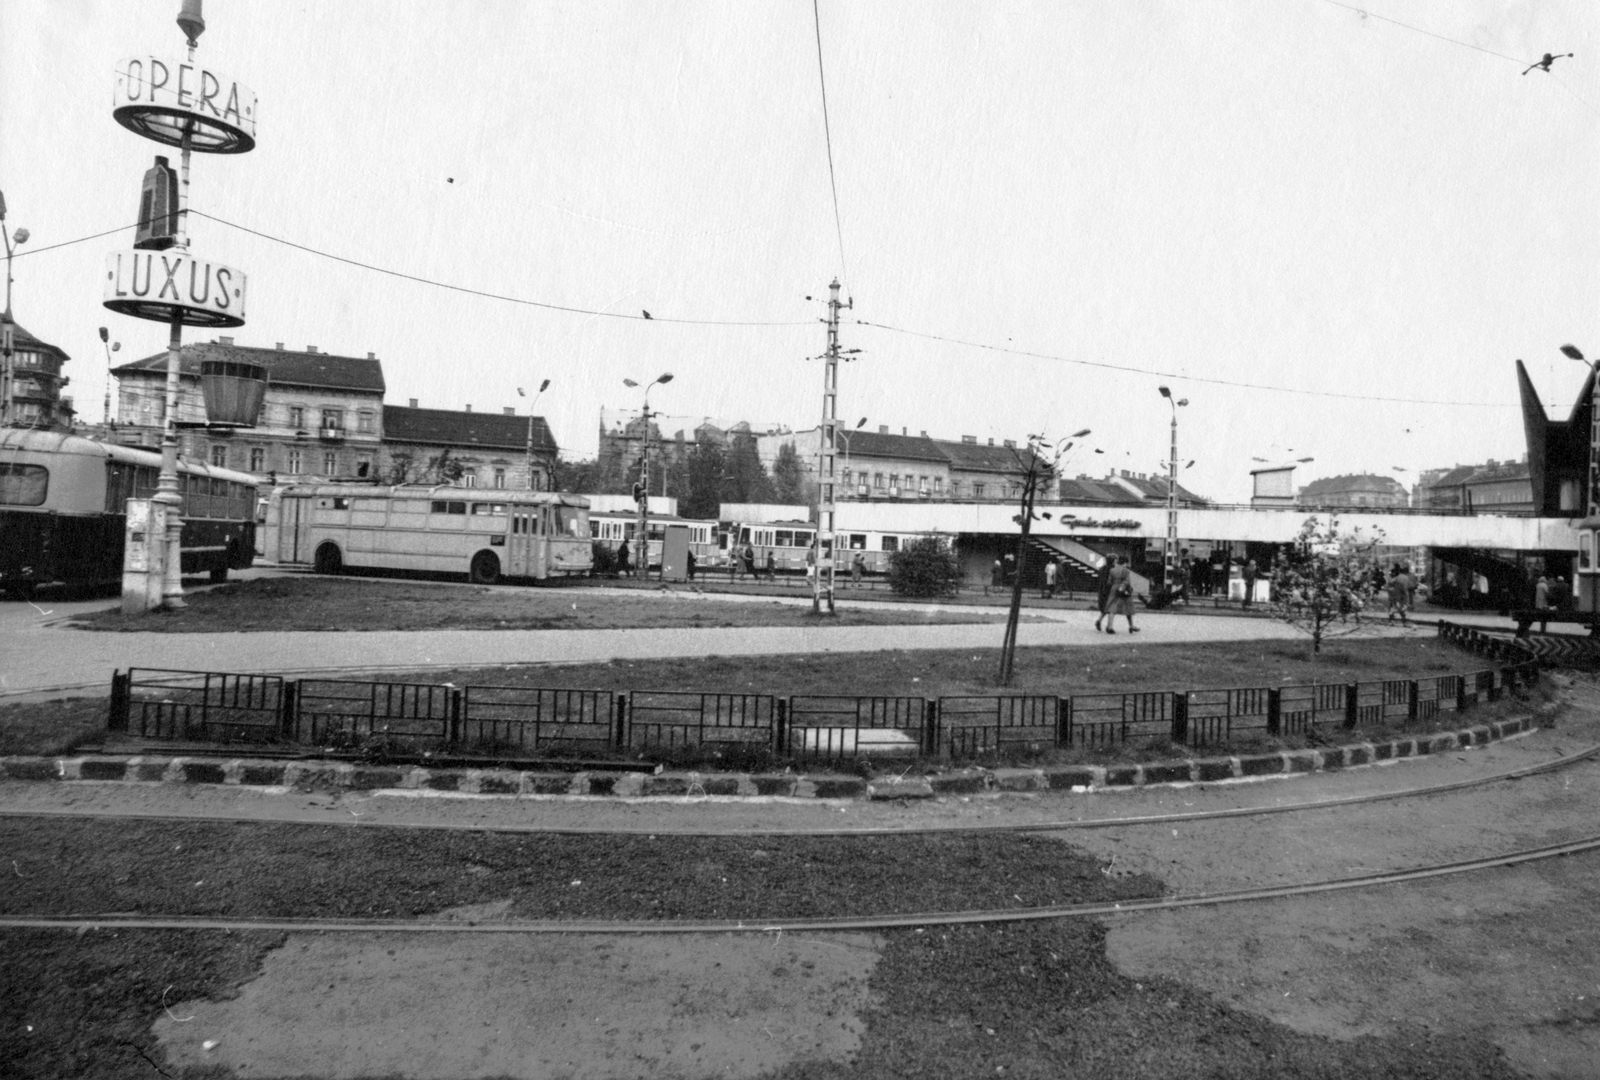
{"x": 160, "y": 284}
{"x": 161, "y": 99}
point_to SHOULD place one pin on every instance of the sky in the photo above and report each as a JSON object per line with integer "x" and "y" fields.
{"x": 1332, "y": 234}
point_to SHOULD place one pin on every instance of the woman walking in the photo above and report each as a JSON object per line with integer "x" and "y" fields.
{"x": 1121, "y": 599}
{"x": 1103, "y": 589}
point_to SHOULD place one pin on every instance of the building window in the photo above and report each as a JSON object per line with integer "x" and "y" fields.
{"x": 364, "y": 422}
{"x": 333, "y": 419}
{"x": 470, "y": 478}
{"x": 219, "y": 455}
{"x": 846, "y": 478}
{"x": 258, "y": 458}
{"x": 938, "y": 485}
{"x": 294, "y": 462}
{"x": 297, "y": 419}
{"x": 330, "y": 463}
{"x": 977, "y": 490}
{"x": 364, "y": 466}
{"x": 894, "y": 481}
{"x": 499, "y": 478}
{"x": 922, "y": 484}
{"x": 877, "y": 481}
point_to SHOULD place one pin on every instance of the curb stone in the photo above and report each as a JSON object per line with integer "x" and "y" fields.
{"x": 341, "y": 776}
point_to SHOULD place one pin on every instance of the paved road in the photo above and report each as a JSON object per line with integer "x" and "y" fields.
{"x": 38, "y": 652}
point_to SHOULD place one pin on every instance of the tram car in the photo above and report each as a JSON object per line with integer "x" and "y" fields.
{"x": 63, "y": 511}
{"x": 613, "y": 528}
{"x": 788, "y": 541}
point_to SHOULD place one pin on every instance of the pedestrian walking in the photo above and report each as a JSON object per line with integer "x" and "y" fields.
{"x": 624, "y": 568}
{"x": 1050, "y": 580}
{"x": 1121, "y": 600}
{"x": 997, "y": 574}
{"x": 1397, "y": 595}
{"x": 811, "y": 563}
{"x": 691, "y": 565}
{"x": 750, "y": 560}
{"x": 1541, "y": 601}
{"x": 1103, "y": 589}
{"x": 1250, "y": 574}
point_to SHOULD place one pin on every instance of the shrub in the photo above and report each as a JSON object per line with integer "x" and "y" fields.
{"x": 605, "y": 560}
{"x": 925, "y": 567}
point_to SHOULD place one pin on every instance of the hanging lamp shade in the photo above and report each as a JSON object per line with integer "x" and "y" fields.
{"x": 233, "y": 392}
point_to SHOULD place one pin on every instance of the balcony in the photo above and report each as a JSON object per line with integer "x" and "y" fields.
{"x": 332, "y": 434}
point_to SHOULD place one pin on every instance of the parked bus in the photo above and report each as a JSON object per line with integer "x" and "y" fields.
{"x": 485, "y": 534}
{"x": 63, "y": 510}
{"x": 613, "y": 528}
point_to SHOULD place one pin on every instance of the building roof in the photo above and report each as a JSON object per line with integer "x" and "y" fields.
{"x": 1084, "y": 490}
{"x": 1154, "y": 488}
{"x": 1499, "y": 472}
{"x": 1354, "y": 482}
{"x": 980, "y": 457}
{"x": 447, "y": 427}
{"x": 323, "y": 370}
{"x": 877, "y": 444}
{"x": 21, "y": 339}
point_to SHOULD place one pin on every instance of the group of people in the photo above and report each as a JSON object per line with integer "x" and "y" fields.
{"x": 1401, "y": 590}
{"x": 1551, "y": 595}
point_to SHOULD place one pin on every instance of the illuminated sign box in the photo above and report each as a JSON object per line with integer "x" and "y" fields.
{"x": 162, "y": 98}
{"x": 157, "y": 285}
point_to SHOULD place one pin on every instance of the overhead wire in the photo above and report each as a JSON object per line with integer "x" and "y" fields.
{"x": 1365, "y": 13}
{"x": 1107, "y": 365}
{"x": 420, "y": 279}
{"x": 827, "y": 134}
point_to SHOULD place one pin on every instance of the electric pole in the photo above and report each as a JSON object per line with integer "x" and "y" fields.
{"x": 823, "y": 555}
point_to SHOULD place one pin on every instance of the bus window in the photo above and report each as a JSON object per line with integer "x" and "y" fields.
{"x": 341, "y": 502}
{"x": 441, "y": 506}
{"x": 489, "y": 509}
{"x": 570, "y": 519}
{"x": 23, "y": 485}
{"x": 144, "y": 481}
{"x": 196, "y": 496}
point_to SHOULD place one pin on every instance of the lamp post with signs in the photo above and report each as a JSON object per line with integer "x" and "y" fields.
{"x": 641, "y": 490}
{"x": 177, "y": 103}
{"x": 1586, "y": 576}
{"x": 7, "y": 338}
{"x": 542, "y": 388}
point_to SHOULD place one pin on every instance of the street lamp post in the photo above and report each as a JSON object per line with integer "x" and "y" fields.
{"x": 1169, "y": 556}
{"x": 7, "y": 340}
{"x": 846, "y": 436}
{"x": 110, "y": 347}
{"x": 542, "y": 388}
{"x": 641, "y": 490}
{"x": 1584, "y": 579}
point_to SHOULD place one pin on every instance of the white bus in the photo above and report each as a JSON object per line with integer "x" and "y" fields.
{"x": 484, "y": 534}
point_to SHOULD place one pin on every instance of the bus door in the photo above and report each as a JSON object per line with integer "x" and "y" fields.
{"x": 294, "y": 529}
{"x": 522, "y": 549}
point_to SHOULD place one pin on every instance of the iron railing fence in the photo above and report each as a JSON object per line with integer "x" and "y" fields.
{"x": 506, "y": 721}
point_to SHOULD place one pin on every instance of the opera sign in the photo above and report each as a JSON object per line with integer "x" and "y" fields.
{"x": 162, "y": 99}
{"x": 159, "y": 285}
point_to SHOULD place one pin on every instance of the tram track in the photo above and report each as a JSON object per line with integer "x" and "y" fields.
{"x": 1581, "y": 756}
{"x": 118, "y": 921}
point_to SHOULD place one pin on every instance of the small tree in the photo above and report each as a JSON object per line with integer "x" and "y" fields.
{"x": 789, "y": 476}
{"x": 1042, "y": 461}
{"x": 925, "y": 567}
{"x": 1322, "y": 582}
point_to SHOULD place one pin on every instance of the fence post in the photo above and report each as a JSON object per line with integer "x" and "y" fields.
{"x": 289, "y": 711}
{"x": 1413, "y": 695}
{"x": 454, "y": 729}
{"x": 1461, "y": 693}
{"x": 1352, "y": 698}
{"x": 620, "y": 719}
{"x": 1180, "y": 716}
{"x": 780, "y": 725}
{"x": 1274, "y": 711}
{"x": 121, "y": 691}
{"x": 1063, "y": 721}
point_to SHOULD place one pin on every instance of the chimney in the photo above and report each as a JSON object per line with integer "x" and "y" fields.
{"x": 903, "y": 431}
{"x": 372, "y": 356}
{"x": 991, "y": 442}
{"x": 883, "y": 429}
{"x": 1011, "y": 444}
{"x": 413, "y": 403}
{"x": 280, "y": 346}
{"x": 311, "y": 348}
{"x": 224, "y": 341}
{"x": 970, "y": 440}
{"x": 469, "y": 408}
{"x": 508, "y": 410}
{"x": 924, "y": 433}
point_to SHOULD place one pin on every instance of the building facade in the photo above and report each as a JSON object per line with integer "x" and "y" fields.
{"x": 1353, "y": 490}
{"x": 322, "y": 415}
{"x": 475, "y": 449}
{"x": 31, "y": 381}
{"x": 882, "y": 465}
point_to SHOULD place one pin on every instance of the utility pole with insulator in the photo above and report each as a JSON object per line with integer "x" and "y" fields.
{"x": 823, "y": 555}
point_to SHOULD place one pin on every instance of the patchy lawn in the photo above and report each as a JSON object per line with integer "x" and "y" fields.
{"x": 306, "y": 603}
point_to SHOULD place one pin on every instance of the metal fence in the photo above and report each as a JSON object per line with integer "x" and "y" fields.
{"x": 506, "y": 721}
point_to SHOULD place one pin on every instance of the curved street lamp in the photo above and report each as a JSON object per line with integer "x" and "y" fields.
{"x": 641, "y": 490}
{"x": 7, "y": 339}
{"x": 542, "y": 388}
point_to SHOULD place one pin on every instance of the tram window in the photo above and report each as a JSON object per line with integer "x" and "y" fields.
{"x": 594, "y": 529}
{"x": 802, "y": 539}
{"x": 891, "y": 543}
{"x": 570, "y": 519}
{"x": 442, "y": 506}
{"x": 744, "y": 535}
{"x": 23, "y": 485}
{"x": 858, "y": 541}
{"x": 783, "y": 538}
